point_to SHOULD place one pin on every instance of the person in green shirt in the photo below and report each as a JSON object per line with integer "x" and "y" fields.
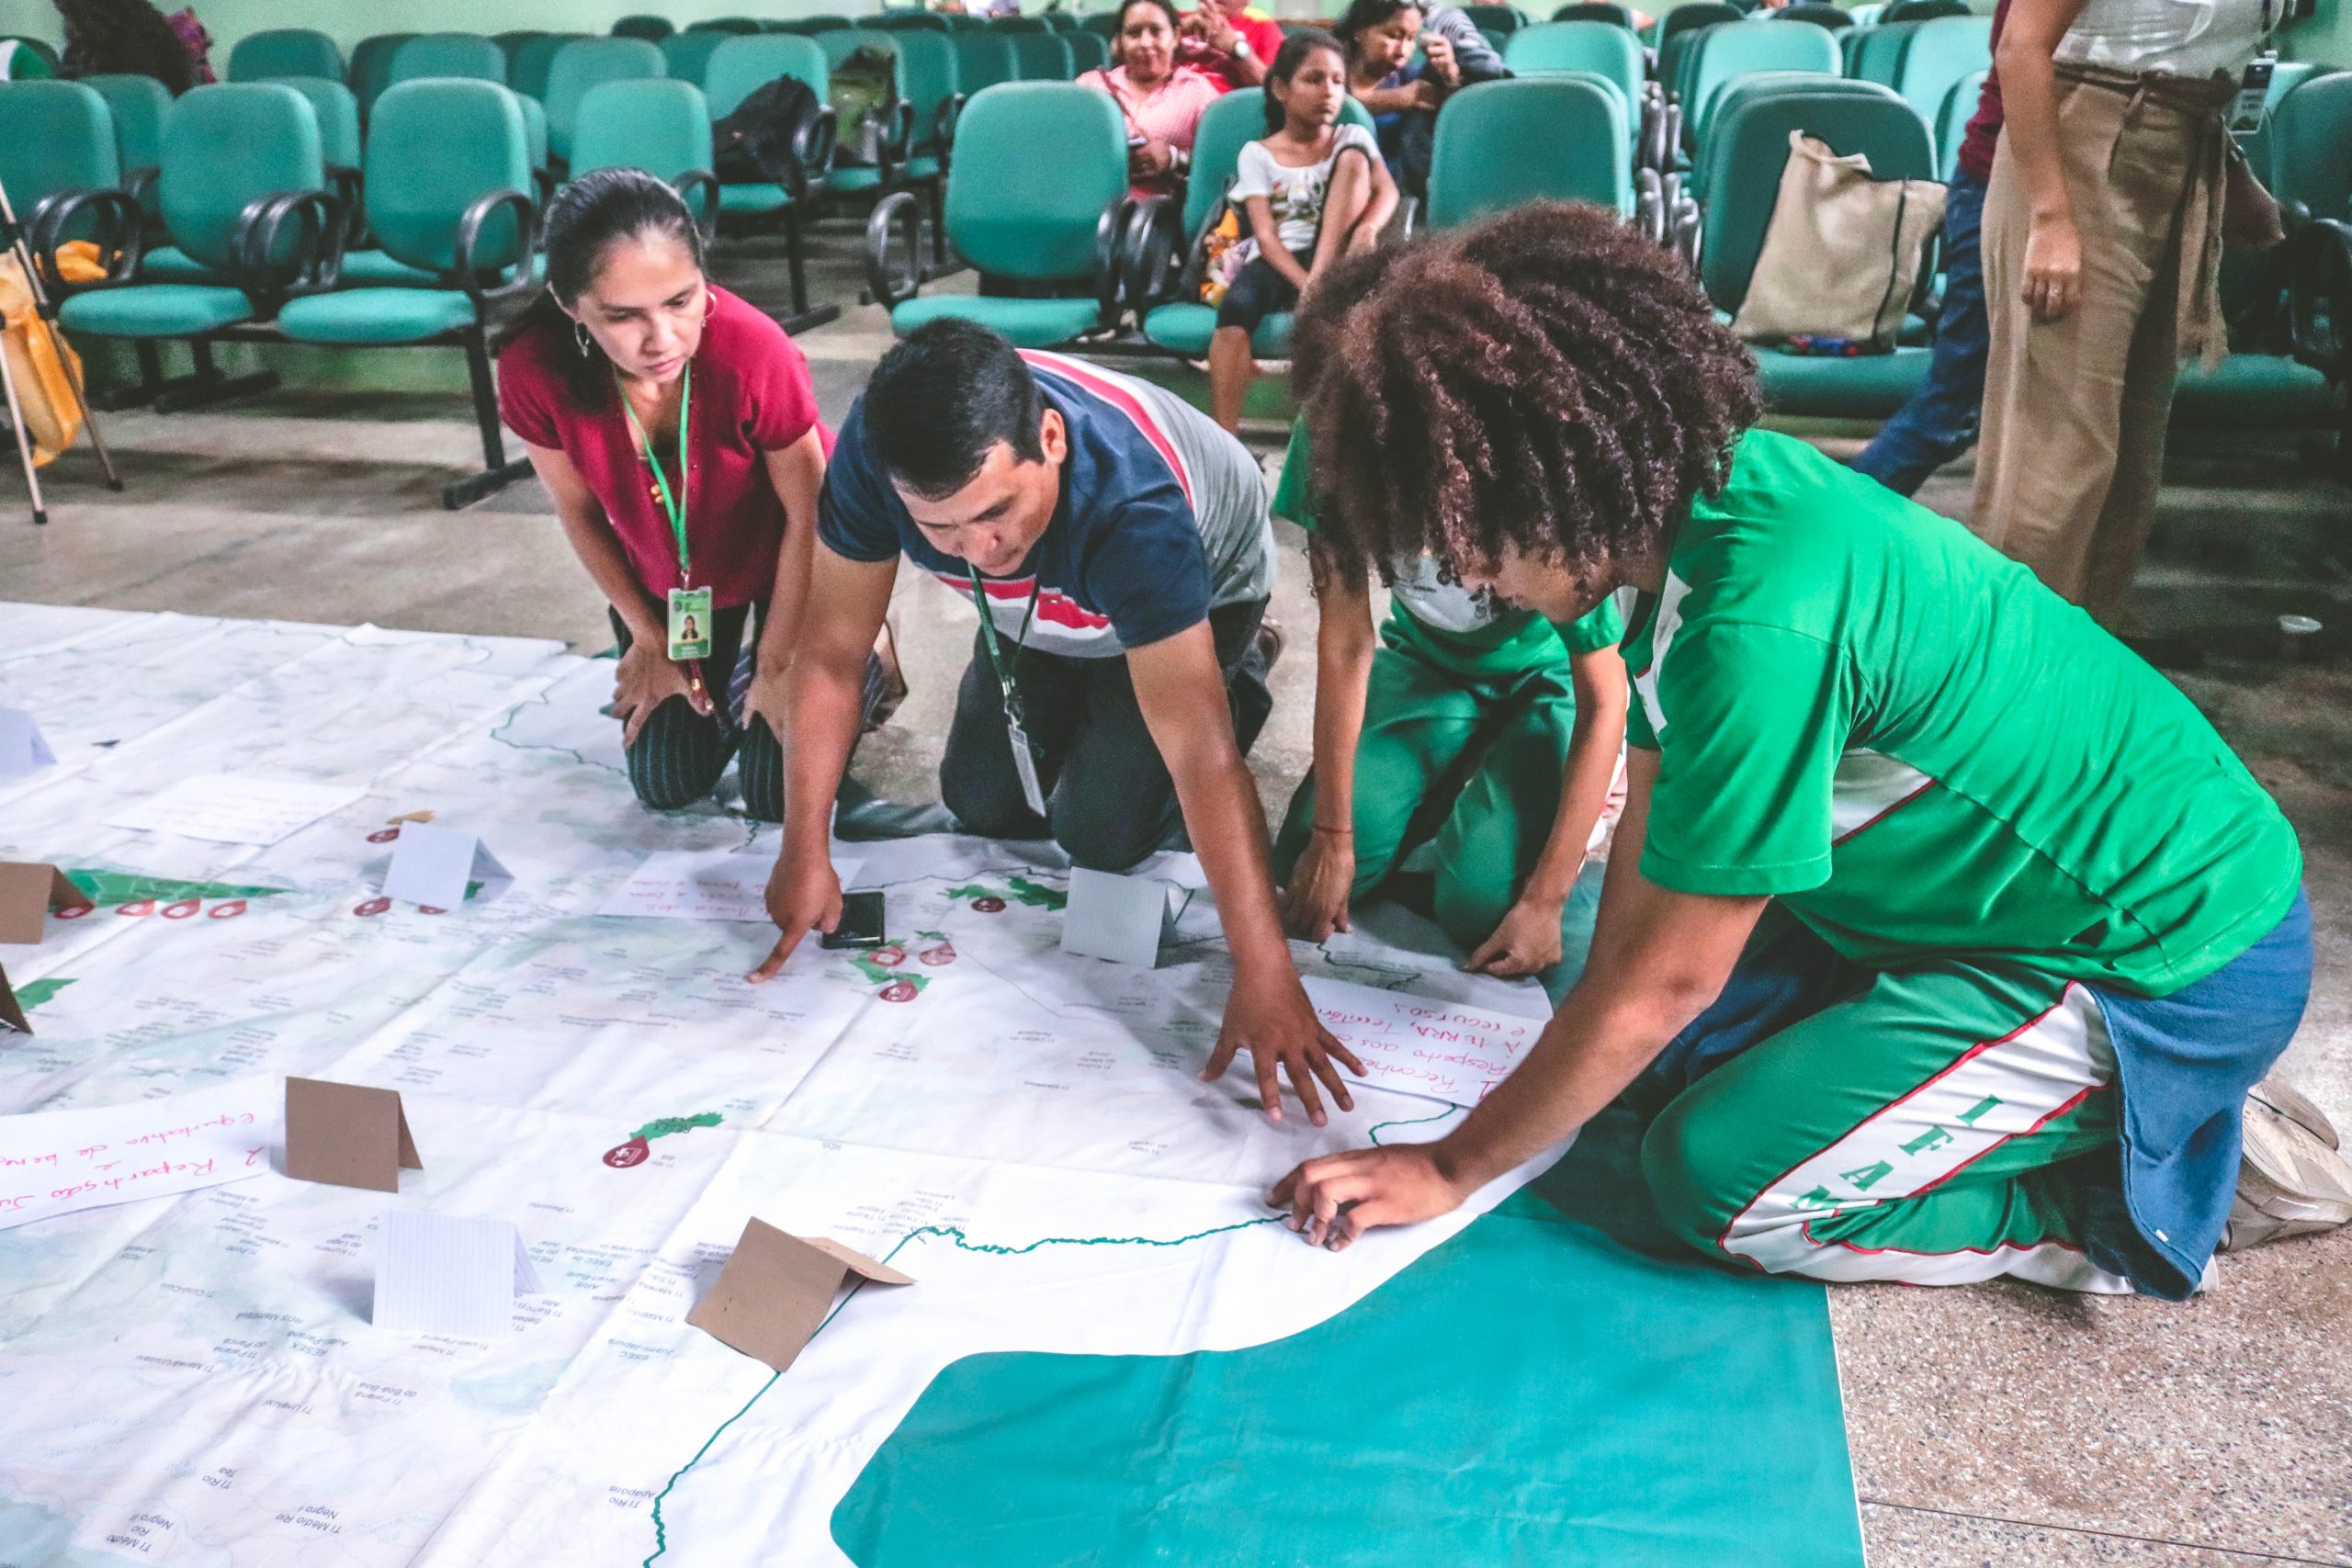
{"x": 1949, "y": 937}
{"x": 1476, "y": 723}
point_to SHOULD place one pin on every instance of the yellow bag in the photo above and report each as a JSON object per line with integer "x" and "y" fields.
{"x": 43, "y": 366}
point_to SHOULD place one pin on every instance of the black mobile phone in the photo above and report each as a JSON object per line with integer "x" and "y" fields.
{"x": 861, "y": 923}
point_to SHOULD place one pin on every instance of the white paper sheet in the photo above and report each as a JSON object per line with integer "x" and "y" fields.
{"x": 235, "y": 808}
{"x": 1118, "y": 917}
{"x": 709, "y": 884}
{"x": 23, "y": 749}
{"x": 448, "y": 1274}
{"x": 431, "y": 866}
{"x": 1416, "y": 1045}
{"x": 54, "y": 1162}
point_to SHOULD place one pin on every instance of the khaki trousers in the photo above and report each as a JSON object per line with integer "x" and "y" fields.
{"x": 2075, "y": 409}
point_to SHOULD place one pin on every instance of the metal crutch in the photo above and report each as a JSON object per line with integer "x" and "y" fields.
{"x": 48, "y": 324}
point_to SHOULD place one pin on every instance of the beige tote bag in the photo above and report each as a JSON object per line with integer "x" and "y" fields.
{"x": 1843, "y": 250}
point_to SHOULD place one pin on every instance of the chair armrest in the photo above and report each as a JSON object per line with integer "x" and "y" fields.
{"x": 812, "y": 150}
{"x": 901, "y": 213}
{"x": 706, "y": 183}
{"x": 470, "y": 225}
{"x": 898, "y": 141}
{"x": 942, "y": 128}
{"x": 314, "y": 263}
{"x": 142, "y": 184}
{"x": 120, "y": 227}
{"x": 2319, "y": 311}
{"x": 1109, "y": 274}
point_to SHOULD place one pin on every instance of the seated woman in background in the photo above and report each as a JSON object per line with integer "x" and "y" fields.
{"x": 1312, "y": 191}
{"x": 675, "y": 427}
{"x": 1162, "y": 99}
{"x": 1405, "y": 94}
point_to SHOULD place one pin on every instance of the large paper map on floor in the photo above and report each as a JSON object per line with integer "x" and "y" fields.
{"x": 1112, "y": 1354}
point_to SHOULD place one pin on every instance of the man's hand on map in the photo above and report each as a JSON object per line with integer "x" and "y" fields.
{"x": 1314, "y": 904}
{"x": 1526, "y": 943}
{"x": 646, "y": 678}
{"x": 1276, "y": 1024}
{"x": 804, "y": 894}
{"x": 1334, "y": 1200}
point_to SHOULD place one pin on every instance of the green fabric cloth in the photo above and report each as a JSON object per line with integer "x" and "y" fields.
{"x": 1866, "y": 711}
{"x": 1030, "y": 323}
{"x": 156, "y": 310}
{"x": 376, "y": 315}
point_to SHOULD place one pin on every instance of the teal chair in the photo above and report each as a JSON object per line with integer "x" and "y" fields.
{"x": 739, "y": 67}
{"x": 1086, "y": 52}
{"x": 448, "y": 183}
{"x": 234, "y": 155}
{"x": 1941, "y": 53}
{"x": 285, "y": 51}
{"x": 1876, "y": 53}
{"x": 1744, "y": 159}
{"x": 1612, "y": 50}
{"x": 686, "y": 56}
{"x": 1104, "y": 25}
{"x": 511, "y": 44}
{"x": 735, "y": 27}
{"x": 1503, "y": 19}
{"x": 909, "y": 21}
{"x": 1059, "y": 22}
{"x": 138, "y": 105}
{"x": 828, "y": 23}
{"x": 57, "y": 139}
{"x": 371, "y": 67}
{"x": 1725, "y": 54}
{"x": 1502, "y": 145}
{"x": 466, "y": 57}
{"x": 983, "y": 59}
{"x": 660, "y": 126}
{"x": 583, "y": 63}
{"x": 1018, "y": 25}
{"x": 1162, "y": 235}
{"x": 898, "y": 125}
{"x": 337, "y": 107}
{"x": 1606, "y": 11}
{"x": 1951, "y": 122}
{"x": 1768, "y": 83}
{"x": 1042, "y": 232}
{"x": 534, "y": 60}
{"x": 652, "y": 30}
{"x": 2310, "y": 160}
{"x": 1043, "y": 57}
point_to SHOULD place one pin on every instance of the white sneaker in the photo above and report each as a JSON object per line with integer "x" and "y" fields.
{"x": 2291, "y": 1180}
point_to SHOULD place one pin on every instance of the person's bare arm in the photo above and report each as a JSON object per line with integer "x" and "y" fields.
{"x": 2053, "y": 285}
{"x": 797, "y": 473}
{"x": 1345, "y": 205}
{"x": 1180, "y": 689}
{"x": 1528, "y": 940}
{"x": 846, "y": 602}
{"x": 1391, "y": 100}
{"x": 1659, "y": 958}
{"x": 1316, "y": 902}
{"x": 1269, "y": 236}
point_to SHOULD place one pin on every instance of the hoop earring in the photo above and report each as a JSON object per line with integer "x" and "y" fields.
{"x": 580, "y": 335}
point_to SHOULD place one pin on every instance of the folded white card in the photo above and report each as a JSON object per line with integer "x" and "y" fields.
{"x": 1416, "y": 1045}
{"x": 1118, "y": 917}
{"x": 23, "y": 749}
{"x": 432, "y": 865}
{"x": 704, "y": 885}
{"x": 446, "y": 1274}
{"x": 235, "y": 808}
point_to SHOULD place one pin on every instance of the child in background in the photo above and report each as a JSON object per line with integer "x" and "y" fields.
{"x": 1314, "y": 191}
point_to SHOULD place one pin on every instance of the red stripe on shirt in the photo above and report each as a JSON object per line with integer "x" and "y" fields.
{"x": 1124, "y": 401}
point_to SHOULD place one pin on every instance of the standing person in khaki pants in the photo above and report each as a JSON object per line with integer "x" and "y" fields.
{"x": 2102, "y": 248}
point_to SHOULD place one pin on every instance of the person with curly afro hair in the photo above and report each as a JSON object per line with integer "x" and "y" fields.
{"x": 2035, "y": 933}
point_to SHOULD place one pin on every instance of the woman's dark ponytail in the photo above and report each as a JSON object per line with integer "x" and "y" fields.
{"x": 585, "y": 221}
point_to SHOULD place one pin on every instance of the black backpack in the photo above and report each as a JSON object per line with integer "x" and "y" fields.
{"x": 780, "y": 134}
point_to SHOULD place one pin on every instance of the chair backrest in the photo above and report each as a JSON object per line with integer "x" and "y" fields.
{"x": 827, "y": 22}
{"x": 909, "y": 21}
{"x": 436, "y": 147}
{"x": 1818, "y": 13}
{"x": 371, "y": 66}
{"x": 926, "y": 75}
{"x": 1595, "y": 11}
{"x": 1043, "y": 57}
{"x": 1503, "y": 19}
{"x": 741, "y": 27}
{"x": 1923, "y": 10}
{"x": 1878, "y": 52}
{"x": 1941, "y": 53}
{"x": 1501, "y": 144}
{"x": 1019, "y": 25}
{"x": 511, "y": 43}
{"x": 983, "y": 58}
{"x": 1104, "y": 25}
{"x": 225, "y": 147}
{"x": 2310, "y": 148}
{"x": 652, "y": 30}
{"x": 687, "y": 55}
{"x": 1739, "y": 49}
{"x": 1037, "y": 165}
{"x": 1764, "y": 84}
{"x": 534, "y": 60}
{"x": 583, "y": 64}
{"x": 55, "y": 136}
{"x": 743, "y": 65}
{"x": 1604, "y": 47}
{"x": 1750, "y": 149}
{"x": 1951, "y": 120}
{"x": 1678, "y": 46}
{"x": 1088, "y": 52}
{"x": 466, "y": 56}
{"x": 1696, "y": 14}
{"x": 285, "y": 51}
{"x": 138, "y": 105}
{"x": 839, "y": 43}
{"x": 662, "y": 126}
{"x": 1217, "y": 138}
{"x": 338, "y": 111}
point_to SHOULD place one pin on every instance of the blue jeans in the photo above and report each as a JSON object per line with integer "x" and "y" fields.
{"x": 1939, "y": 421}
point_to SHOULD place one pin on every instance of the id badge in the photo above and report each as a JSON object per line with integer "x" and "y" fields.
{"x": 2253, "y": 94}
{"x": 1024, "y": 763}
{"x": 689, "y": 622}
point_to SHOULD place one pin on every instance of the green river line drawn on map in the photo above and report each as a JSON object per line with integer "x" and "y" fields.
{"x": 129, "y": 892}
{"x": 955, "y": 1237}
{"x": 635, "y": 1152}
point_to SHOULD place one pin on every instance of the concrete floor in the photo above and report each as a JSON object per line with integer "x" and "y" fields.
{"x": 1991, "y": 1425}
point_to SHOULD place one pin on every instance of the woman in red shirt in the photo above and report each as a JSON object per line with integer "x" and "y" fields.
{"x": 676, "y": 429}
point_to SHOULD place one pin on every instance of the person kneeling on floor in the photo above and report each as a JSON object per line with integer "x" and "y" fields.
{"x": 1953, "y": 940}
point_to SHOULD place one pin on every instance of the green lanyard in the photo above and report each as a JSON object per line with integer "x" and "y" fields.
{"x": 997, "y": 666}
{"x": 674, "y": 505}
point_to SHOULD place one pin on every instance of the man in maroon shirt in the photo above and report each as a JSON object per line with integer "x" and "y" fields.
{"x": 1938, "y": 423}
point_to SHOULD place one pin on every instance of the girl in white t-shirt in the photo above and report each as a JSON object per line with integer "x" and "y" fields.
{"x": 1314, "y": 191}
